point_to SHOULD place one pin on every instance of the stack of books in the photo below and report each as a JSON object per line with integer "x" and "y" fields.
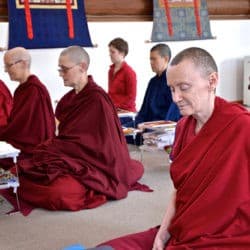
{"x": 160, "y": 135}
{"x": 7, "y": 179}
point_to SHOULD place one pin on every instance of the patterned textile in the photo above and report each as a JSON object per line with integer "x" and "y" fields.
{"x": 54, "y": 24}
{"x": 176, "y": 20}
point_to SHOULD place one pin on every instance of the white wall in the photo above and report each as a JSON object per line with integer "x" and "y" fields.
{"x": 231, "y": 45}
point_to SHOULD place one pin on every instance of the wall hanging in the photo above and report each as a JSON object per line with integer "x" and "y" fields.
{"x": 47, "y": 24}
{"x": 178, "y": 20}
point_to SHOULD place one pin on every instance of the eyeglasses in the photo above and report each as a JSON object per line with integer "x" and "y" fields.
{"x": 64, "y": 69}
{"x": 8, "y": 66}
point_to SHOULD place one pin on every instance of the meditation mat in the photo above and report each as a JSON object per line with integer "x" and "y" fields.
{"x": 74, "y": 247}
{"x": 10, "y": 199}
{"x": 80, "y": 247}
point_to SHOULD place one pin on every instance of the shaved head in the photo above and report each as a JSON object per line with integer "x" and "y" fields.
{"x": 18, "y": 53}
{"x": 200, "y": 58}
{"x": 76, "y": 54}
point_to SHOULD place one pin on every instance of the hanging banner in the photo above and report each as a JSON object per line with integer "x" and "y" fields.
{"x": 47, "y": 24}
{"x": 179, "y": 20}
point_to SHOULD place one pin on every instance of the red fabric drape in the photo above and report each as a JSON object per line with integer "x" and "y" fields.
{"x": 32, "y": 119}
{"x": 210, "y": 171}
{"x": 5, "y": 103}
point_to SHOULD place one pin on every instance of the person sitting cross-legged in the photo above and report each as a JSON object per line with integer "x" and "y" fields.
{"x": 210, "y": 204}
{"x": 88, "y": 162}
{"x": 31, "y": 120}
{"x": 157, "y": 100}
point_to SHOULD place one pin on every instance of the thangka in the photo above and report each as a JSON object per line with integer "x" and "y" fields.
{"x": 47, "y": 24}
{"x": 178, "y": 20}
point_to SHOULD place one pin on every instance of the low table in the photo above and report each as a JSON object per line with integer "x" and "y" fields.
{"x": 127, "y": 114}
{"x": 8, "y": 151}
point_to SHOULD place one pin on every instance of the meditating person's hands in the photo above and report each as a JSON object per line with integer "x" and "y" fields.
{"x": 163, "y": 235}
{"x": 160, "y": 240}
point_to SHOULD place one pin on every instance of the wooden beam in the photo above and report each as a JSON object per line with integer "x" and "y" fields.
{"x": 142, "y": 10}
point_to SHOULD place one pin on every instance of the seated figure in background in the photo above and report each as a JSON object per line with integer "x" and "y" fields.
{"x": 6, "y": 102}
{"x": 121, "y": 77}
{"x": 157, "y": 100}
{"x": 31, "y": 119}
{"x": 209, "y": 208}
{"x": 88, "y": 162}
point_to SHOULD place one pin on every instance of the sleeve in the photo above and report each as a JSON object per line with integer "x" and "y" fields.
{"x": 5, "y": 105}
{"x": 3, "y": 114}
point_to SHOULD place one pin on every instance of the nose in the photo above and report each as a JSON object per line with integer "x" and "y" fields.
{"x": 176, "y": 96}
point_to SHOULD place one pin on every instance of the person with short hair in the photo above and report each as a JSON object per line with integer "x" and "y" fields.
{"x": 157, "y": 99}
{"x": 210, "y": 204}
{"x": 88, "y": 162}
{"x": 31, "y": 119}
{"x": 121, "y": 77}
{"x": 157, "y": 103}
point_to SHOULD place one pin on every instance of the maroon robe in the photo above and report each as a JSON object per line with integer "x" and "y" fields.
{"x": 90, "y": 147}
{"x": 5, "y": 103}
{"x": 211, "y": 172}
{"x": 31, "y": 119}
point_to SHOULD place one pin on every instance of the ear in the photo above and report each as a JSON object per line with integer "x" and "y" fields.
{"x": 25, "y": 64}
{"x": 213, "y": 80}
{"x": 166, "y": 58}
{"x": 83, "y": 66}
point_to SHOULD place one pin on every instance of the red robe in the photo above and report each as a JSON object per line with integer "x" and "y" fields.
{"x": 211, "y": 172}
{"x": 90, "y": 147}
{"x": 5, "y": 103}
{"x": 31, "y": 119}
